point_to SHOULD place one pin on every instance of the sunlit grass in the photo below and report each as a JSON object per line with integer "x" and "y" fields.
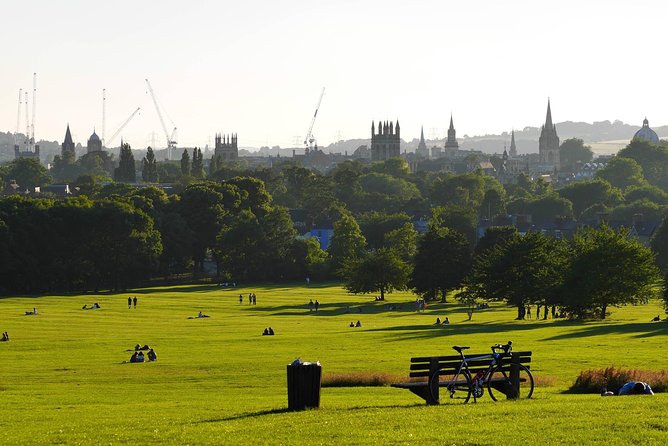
{"x": 64, "y": 376}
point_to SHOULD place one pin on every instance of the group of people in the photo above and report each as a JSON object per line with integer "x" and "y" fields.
{"x": 139, "y": 356}
{"x": 377, "y": 298}
{"x": 132, "y": 301}
{"x": 446, "y": 321}
{"x": 353, "y": 324}
{"x": 252, "y": 299}
{"x": 656, "y": 318}
{"x": 268, "y": 332}
{"x": 313, "y": 305}
{"x": 5, "y": 336}
{"x": 420, "y": 305}
{"x": 93, "y": 307}
{"x": 32, "y": 313}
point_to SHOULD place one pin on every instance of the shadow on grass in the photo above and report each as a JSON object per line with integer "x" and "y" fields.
{"x": 637, "y": 329}
{"x": 431, "y": 331}
{"x": 285, "y": 410}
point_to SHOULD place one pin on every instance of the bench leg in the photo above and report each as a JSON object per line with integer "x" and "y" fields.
{"x": 433, "y": 396}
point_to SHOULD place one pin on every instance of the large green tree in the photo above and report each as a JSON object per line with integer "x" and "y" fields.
{"x": 347, "y": 242}
{"x": 125, "y": 172}
{"x": 607, "y": 269}
{"x": 28, "y": 173}
{"x": 379, "y": 271}
{"x": 149, "y": 171}
{"x": 573, "y": 151}
{"x": 442, "y": 261}
{"x": 622, "y": 173}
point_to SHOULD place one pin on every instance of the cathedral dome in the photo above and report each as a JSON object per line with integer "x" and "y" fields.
{"x": 646, "y": 134}
{"x": 94, "y": 137}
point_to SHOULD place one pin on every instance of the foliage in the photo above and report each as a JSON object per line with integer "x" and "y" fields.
{"x": 125, "y": 172}
{"x": 149, "y": 171}
{"x": 573, "y": 151}
{"x": 613, "y": 378}
{"x": 403, "y": 241}
{"x": 544, "y": 209}
{"x": 377, "y": 271}
{"x": 659, "y": 244}
{"x": 651, "y": 193}
{"x": 347, "y": 243}
{"x": 375, "y": 225}
{"x": 607, "y": 269}
{"x": 494, "y": 236}
{"x": 459, "y": 218}
{"x": 651, "y": 158}
{"x": 622, "y": 172}
{"x": 197, "y": 169}
{"x": 584, "y": 194}
{"x": 185, "y": 163}
{"x": 28, "y": 173}
{"x": 520, "y": 271}
{"x": 442, "y": 261}
{"x": 643, "y": 208}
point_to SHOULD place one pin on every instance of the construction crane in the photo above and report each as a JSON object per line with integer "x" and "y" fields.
{"x": 171, "y": 143}
{"x": 34, "y": 107}
{"x": 104, "y": 116}
{"x": 120, "y": 129}
{"x": 18, "y": 119}
{"x": 310, "y": 139}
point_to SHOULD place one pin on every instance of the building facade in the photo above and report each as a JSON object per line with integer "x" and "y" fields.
{"x": 386, "y": 143}
{"x": 226, "y": 147}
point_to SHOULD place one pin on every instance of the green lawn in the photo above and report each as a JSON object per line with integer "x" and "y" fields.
{"x": 64, "y": 380}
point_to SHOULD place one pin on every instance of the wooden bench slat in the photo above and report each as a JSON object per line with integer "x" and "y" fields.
{"x": 459, "y": 358}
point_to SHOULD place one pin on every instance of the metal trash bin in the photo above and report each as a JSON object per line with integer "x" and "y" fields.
{"x": 304, "y": 385}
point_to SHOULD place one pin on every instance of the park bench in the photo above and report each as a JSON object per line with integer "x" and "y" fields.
{"x": 440, "y": 370}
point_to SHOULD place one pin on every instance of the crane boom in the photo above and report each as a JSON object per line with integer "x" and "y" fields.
{"x": 120, "y": 129}
{"x": 309, "y": 137}
{"x": 170, "y": 143}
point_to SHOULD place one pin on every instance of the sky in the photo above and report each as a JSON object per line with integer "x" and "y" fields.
{"x": 256, "y": 68}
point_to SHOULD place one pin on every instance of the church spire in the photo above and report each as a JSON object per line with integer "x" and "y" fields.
{"x": 68, "y": 135}
{"x": 548, "y": 118}
{"x": 452, "y": 126}
{"x": 421, "y": 134}
{"x": 513, "y": 148}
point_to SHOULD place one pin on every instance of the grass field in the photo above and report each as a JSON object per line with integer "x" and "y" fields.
{"x": 64, "y": 378}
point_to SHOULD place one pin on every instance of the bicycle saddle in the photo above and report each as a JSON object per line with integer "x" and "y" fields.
{"x": 459, "y": 349}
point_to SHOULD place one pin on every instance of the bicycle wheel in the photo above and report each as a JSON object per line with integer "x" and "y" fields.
{"x": 459, "y": 388}
{"x": 500, "y": 387}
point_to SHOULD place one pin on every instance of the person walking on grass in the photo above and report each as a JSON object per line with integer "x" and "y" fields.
{"x": 129, "y": 302}
{"x": 134, "y": 301}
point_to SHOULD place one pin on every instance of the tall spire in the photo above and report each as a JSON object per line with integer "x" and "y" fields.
{"x": 452, "y": 126}
{"x": 68, "y": 135}
{"x": 421, "y": 134}
{"x": 548, "y": 118}
{"x": 513, "y": 148}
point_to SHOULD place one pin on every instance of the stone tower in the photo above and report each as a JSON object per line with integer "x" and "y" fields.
{"x": 548, "y": 143}
{"x": 386, "y": 143}
{"x": 422, "y": 149}
{"x": 226, "y": 147}
{"x": 451, "y": 142}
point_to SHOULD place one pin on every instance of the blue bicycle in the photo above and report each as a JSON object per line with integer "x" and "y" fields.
{"x": 502, "y": 378}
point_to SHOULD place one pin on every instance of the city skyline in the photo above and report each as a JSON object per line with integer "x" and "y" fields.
{"x": 257, "y": 69}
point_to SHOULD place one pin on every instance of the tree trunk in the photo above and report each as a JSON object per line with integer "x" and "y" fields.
{"x": 382, "y": 293}
{"x": 545, "y": 313}
{"x": 520, "y": 312}
{"x": 603, "y": 310}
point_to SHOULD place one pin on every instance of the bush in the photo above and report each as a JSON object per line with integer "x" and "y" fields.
{"x": 611, "y": 378}
{"x": 358, "y": 379}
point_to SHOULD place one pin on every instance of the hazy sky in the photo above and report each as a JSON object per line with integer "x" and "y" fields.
{"x": 257, "y": 67}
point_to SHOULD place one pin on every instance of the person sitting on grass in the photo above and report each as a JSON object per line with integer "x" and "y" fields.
{"x": 152, "y": 356}
{"x": 265, "y": 332}
{"x": 352, "y": 324}
{"x": 271, "y": 331}
{"x": 140, "y": 357}
{"x": 5, "y": 337}
{"x": 133, "y": 358}
{"x": 446, "y": 321}
{"x": 358, "y": 324}
{"x": 657, "y": 318}
{"x": 438, "y": 321}
{"x": 96, "y": 305}
{"x": 635, "y": 388}
{"x": 137, "y": 347}
{"x": 85, "y": 307}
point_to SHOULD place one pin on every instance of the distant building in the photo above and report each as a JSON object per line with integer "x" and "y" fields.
{"x": 548, "y": 143}
{"x": 513, "y": 147}
{"x": 451, "y": 142}
{"x": 67, "y": 150}
{"x": 94, "y": 143}
{"x": 386, "y": 143}
{"x": 226, "y": 147}
{"x": 422, "y": 149}
{"x": 646, "y": 134}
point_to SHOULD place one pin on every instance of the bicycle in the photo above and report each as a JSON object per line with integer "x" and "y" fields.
{"x": 497, "y": 377}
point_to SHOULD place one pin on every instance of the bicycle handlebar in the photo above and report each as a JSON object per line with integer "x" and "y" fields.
{"x": 507, "y": 348}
